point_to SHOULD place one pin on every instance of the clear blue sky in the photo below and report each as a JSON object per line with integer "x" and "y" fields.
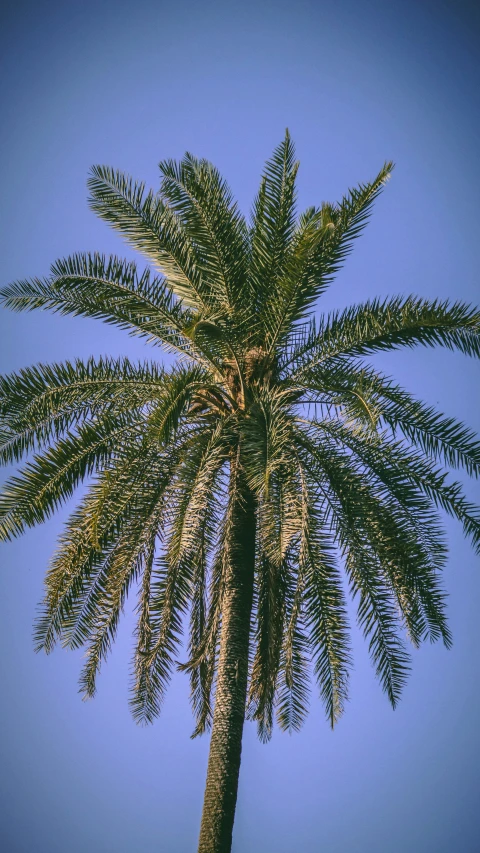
{"x": 128, "y": 84}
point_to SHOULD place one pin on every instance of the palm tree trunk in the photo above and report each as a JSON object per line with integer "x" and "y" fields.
{"x": 228, "y": 718}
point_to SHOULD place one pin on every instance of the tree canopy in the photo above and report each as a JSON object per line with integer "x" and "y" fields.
{"x": 348, "y": 471}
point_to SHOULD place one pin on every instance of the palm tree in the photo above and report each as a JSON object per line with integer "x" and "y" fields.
{"x": 231, "y": 488}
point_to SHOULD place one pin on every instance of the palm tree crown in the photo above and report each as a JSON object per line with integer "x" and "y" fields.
{"x": 267, "y": 407}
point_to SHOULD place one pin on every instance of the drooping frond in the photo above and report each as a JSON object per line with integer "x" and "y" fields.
{"x": 174, "y": 401}
{"x": 390, "y": 466}
{"x": 293, "y": 683}
{"x": 272, "y": 584}
{"x": 441, "y": 438}
{"x": 279, "y": 526}
{"x": 267, "y": 438}
{"x": 132, "y": 555}
{"x": 51, "y": 477}
{"x": 173, "y": 576}
{"x": 124, "y": 494}
{"x": 110, "y": 290}
{"x": 324, "y": 606}
{"x": 371, "y": 537}
{"x": 203, "y": 615}
{"x": 204, "y": 655}
{"x": 40, "y": 404}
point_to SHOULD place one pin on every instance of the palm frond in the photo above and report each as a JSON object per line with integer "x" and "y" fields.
{"x": 40, "y": 404}
{"x": 273, "y": 225}
{"x": 393, "y": 323}
{"x": 203, "y": 202}
{"x": 150, "y": 227}
{"x": 121, "y": 497}
{"x": 206, "y": 652}
{"x": 389, "y": 465}
{"x": 111, "y": 290}
{"x": 132, "y": 555}
{"x": 270, "y": 618}
{"x": 357, "y": 390}
{"x": 50, "y": 478}
{"x": 324, "y": 607}
{"x": 371, "y": 539}
{"x": 293, "y": 683}
{"x": 173, "y": 576}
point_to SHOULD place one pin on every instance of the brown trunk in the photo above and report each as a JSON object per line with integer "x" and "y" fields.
{"x": 229, "y": 714}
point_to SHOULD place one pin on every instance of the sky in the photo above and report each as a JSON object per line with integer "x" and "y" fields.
{"x": 130, "y": 84}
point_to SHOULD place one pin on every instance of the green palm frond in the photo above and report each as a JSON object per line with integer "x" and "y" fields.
{"x": 299, "y": 275}
{"x": 203, "y": 202}
{"x": 151, "y": 228}
{"x": 377, "y": 544}
{"x": 125, "y": 493}
{"x": 40, "y": 404}
{"x": 325, "y": 610}
{"x": 273, "y": 225}
{"x": 323, "y": 239}
{"x": 441, "y": 438}
{"x": 270, "y": 618}
{"x": 203, "y": 614}
{"x": 132, "y": 555}
{"x": 50, "y": 478}
{"x": 348, "y": 385}
{"x": 387, "y": 325}
{"x": 110, "y": 290}
{"x": 293, "y": 683}
{"x": 174, "y": 401}
{"x": 347, "y": 221}
{"x": 190, "y": 499}
{"x": 388, "y": 464}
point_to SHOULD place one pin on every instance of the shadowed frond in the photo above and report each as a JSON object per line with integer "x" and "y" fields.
{"x": 172, "y": 579}
{"x": 272, "y": 583}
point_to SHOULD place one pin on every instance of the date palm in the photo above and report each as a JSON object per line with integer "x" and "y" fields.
{"x": 240, "y": 491}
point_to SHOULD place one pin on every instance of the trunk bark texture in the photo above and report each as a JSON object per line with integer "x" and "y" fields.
{"x": 231, "y": 692}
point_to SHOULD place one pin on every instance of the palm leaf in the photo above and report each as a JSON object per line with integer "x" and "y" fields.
{"x": 110, "y": 290}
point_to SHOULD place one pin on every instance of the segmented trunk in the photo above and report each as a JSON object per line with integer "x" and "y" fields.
{"x": 229, "y": 714}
